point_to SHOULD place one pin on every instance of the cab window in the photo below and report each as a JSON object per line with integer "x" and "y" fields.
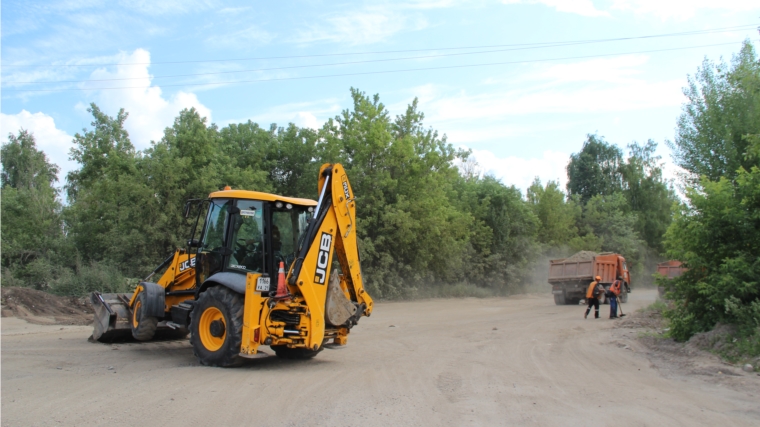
{"x": 247, "y": 237}
{"x": 288, "y": 226}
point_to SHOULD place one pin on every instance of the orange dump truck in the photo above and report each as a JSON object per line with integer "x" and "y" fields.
{"x": 570, "y": 277}
{"x": 669, "y": 269}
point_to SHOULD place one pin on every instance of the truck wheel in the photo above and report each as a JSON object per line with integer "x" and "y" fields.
{"x": 559, "y": 299}
{"x": 143, "y": 326}
{"x": 283, "y": 352}
{"x": 216, "y": 324}
{"x": 623, "y": 296}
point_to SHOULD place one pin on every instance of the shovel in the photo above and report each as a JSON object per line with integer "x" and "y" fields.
{"x": 620, "y": 306}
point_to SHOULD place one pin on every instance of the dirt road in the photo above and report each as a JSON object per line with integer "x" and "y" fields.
{"x": 456, "y": 362}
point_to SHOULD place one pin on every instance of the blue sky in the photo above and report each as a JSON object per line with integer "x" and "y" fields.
{"x": 499, "y": 78}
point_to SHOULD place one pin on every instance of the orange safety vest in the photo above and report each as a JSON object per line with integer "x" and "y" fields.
{"x": 590, "y": 290}
{"x": 615, "y": 288}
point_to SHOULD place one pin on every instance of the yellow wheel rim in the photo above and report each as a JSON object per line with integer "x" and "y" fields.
{"x": 209, "y": 341}
{"x": 135, "y": 314}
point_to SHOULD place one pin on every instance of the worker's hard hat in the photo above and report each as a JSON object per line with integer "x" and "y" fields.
{"x": 598, "y": 278}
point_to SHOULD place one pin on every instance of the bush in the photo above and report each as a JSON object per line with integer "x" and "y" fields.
{"x": 101, "y": 277}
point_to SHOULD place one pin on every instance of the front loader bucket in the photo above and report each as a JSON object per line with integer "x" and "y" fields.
{"x": 112, "y": 317}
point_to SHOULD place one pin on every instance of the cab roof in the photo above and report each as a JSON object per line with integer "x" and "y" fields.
{"x": 257, "y": 195}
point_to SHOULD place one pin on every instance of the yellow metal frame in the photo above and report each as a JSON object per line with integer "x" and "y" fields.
{"x": 308, "y": 296}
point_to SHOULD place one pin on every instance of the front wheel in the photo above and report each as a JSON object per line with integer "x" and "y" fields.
{"x": 143, "y": 326}
{"x": 216, "y": 324}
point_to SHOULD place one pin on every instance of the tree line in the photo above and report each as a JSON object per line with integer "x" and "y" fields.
{"x": 424, "y": 223}
{"x": 428, "y": 222}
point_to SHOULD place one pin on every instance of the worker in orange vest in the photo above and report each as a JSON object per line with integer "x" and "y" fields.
{"x": 593, "y": 292}
{"x": 613, "y": 294}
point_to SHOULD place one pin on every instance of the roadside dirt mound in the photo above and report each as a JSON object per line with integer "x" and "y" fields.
{"x": 582, "y": 256}
{"x": 43, "y": 308}
{"x": 692, "y": 358}
{"x": 713, "y": 340}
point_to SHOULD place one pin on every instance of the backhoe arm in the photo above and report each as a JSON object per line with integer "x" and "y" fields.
{"x": 332, "y": 229}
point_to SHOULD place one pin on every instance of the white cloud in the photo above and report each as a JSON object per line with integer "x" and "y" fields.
{"x": 305, "y": 114}
{"x": 520, "y": 172}
{"x": 568, "y": 99}
{"x": 683, "y": 9}
{"x": 599, "y": 85}
{"x": 362, "y": 27}
{"x": 55, "y": 142}
{"x": 305, "y": 119}
{"x": 149, "y": 111}
{"x": 579, "y": 7}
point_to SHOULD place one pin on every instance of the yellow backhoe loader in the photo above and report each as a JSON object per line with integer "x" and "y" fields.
{"x": 258, "y": 273}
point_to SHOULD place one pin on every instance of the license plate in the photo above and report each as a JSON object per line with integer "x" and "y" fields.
{"x": 556, "y": 292}
{"x": 262, "y": 284}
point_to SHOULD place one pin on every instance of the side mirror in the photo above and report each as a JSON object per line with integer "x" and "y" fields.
{"x": 186, "y": 211}
{"x": 193, "y": 243}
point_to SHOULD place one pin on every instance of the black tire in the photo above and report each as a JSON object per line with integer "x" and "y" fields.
{"x": 559, "y": 299}
{"x": 143, "y": 326}
{"x": 283, "y": 352}
{"x": 230, "y": 304}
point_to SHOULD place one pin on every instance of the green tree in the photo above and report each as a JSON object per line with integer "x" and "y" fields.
{"x": 410, "y": 231}
{"x": 595, "y": 170}
{"x": 611, "y": 220}
{"x": 31, "y": 224}
{"x": 649, "y": 195}
{"x": 716, "y": 233}
{"x": 503, "y": 235}
{"x": 722, "y": 108}
{"x": 558, "y": 216}
{"x": 109, "y": 199}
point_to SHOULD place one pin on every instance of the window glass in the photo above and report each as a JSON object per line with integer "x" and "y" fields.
{"x": 211, "y": 250}
{"x": 216, "y": 225}
{"x": 289, "y": 225}
{"x": 248, "y": 237}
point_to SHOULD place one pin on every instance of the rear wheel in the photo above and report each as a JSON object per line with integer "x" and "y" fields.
{"x": 283, "y": 352}
{"x": 143, "y": 326}
{"x": 559, "y": 299}
{"x": 217, "y": 327}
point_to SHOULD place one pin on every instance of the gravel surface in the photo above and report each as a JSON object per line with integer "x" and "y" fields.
{"x": 454, "y": 362}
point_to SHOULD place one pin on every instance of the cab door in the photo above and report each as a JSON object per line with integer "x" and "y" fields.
{"x": 213, "y": 249}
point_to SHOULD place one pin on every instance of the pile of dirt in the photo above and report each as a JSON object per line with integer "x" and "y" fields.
{"x": 694, "y": 358}
{"x": 713, "y": 340}
{"x": 582, "y": 256}
{"x": 651, "y": 320}
{"x": 43, "y": 308}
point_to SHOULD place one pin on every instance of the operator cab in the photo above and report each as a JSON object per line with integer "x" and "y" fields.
{"x": 248, "y": 232}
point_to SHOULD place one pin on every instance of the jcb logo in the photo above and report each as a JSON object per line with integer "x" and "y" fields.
{"x": 184, "y": 265}
{"x": 325, "y": 244}
{"x": 345, "y": 187}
